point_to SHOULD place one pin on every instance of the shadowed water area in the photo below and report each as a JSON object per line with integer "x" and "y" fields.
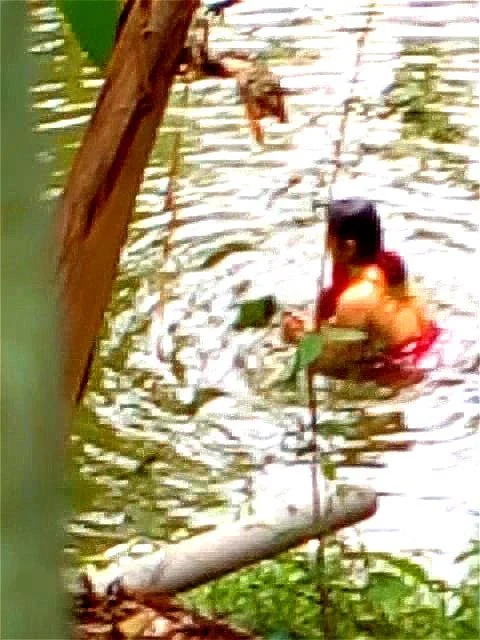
{"x": 186, "y": 395}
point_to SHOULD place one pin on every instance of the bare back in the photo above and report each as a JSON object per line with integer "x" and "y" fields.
{"x": 388, "y": 316}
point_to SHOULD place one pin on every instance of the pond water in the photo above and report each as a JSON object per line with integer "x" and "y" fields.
{"x": 201, "y": 414}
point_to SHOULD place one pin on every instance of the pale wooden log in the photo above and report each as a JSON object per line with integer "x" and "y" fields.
{"x": 99, "y": 197}
{"x": 210, "y": 555}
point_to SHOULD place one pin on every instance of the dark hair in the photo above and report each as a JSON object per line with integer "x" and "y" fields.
{"x": 394, "y": 268}
{"x": 357, "y": 219}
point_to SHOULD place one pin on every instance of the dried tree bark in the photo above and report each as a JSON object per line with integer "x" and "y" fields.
{"x": 99, "y": 197}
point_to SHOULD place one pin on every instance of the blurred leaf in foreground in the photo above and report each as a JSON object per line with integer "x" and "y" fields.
{"x": 94, "y": 23}
{"x": 312, "y": 346}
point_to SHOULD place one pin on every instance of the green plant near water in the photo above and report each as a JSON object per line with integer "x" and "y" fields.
{"x": 339, "y": 593}
{"x": 424, "y": 106}
{"x": 418, "y": 92}
{"x": 370, "y": 595}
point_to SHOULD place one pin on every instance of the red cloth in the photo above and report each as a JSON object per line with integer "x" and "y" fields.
{"x": 414, "y": 349}
{"x": 340, "y": 278}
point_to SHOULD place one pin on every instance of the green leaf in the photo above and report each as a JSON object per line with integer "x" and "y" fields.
{"x": 342, "y": 335}
{"x": 289, "y": 379}
{"x": 256, "y": 313}
{"x": 297, "y": 576}
{"x": 386, "y": 591}
{"x": 472, "y": 552}
{"x": 279, "y": 635}
{"x": 329, "y": 470}
{"x": 94, "y": 23}
{"x": 406, "y": 567}
{"x": 309, "y": 349}
{"x": 307, "y": 352}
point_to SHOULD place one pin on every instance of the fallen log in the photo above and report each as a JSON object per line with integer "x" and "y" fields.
{"x": 99, "y": 197}
{"x": 190, "y": 563}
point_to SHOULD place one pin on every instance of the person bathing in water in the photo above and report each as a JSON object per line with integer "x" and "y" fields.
{"x": 369, "y": 288}
{"x": 400, "y": 318}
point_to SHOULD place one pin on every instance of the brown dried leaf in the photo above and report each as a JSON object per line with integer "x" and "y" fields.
{"x": 136, "y": 625}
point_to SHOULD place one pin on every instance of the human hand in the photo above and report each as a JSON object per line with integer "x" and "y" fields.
{"x": 292, "y": 328}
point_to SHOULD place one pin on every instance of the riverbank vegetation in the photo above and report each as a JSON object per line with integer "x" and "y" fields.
{"x": 369, "y": 595}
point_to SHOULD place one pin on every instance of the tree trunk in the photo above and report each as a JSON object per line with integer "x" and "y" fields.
{"x": 98, "y": 200}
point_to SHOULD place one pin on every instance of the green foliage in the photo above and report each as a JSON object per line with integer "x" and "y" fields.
{"x": 373, "y": 595}
{"x": 33, "y": 426}
{"x": 94, "y": 23}
{"x": 256, "y": 313}
{"x": 309, "y": 349}
{"x": 418, "y": 96}
{"x": 341, "y": 335}
{"x": 472, "y": 553}
{"x": 386, "y": 592}
{"x": 423, "y": 102}
{"x": 312, "y": 345}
